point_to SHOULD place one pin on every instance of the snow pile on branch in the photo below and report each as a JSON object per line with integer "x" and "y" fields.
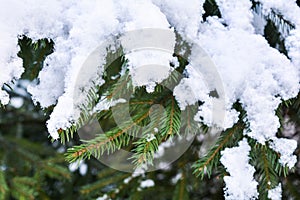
{"x": 147, "y": 183}
{"x": 34, "y": 19}
{"x": 148, "y": 52}
{"x": 77, "y": 28}
{"x": 259, "y": 82}
{"x": 227, "y": 56}
{"x": 240, "y": 184}
{"x": 256, "y": 87}
{"x": 285, "y": 147}
{"x": 243, "y": 73}
{"x": 275, "y": 193}
{"x": 232, "y": 11}
{"x": 290, "y": 12}
{"x": 184, "y": 16}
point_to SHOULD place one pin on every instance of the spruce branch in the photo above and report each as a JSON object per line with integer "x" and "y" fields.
{"x": 211, "y": 9}
{"x": 56, "y": 171}
{"x": 283, "y": 25}
{"x": 147, "y": 145}
{"x": 171, "y": 122}
{"x": 95, "y": 188}
{"x": 144, "y": 151}
{"x": 86, "y": 114}
{"x": 189, "y": 125}
{"x": 122, "y": 87}
{"x": 228, "y": 138}
{"x": 109, "y": 141}
{"x": 3, "y": 186}
{"x": 268, "y": 167}
{"x": 23, "y": 188}
{"x": 180, "y": 192}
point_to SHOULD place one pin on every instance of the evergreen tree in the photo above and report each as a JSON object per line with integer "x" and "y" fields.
{"x": 32, "y": 168}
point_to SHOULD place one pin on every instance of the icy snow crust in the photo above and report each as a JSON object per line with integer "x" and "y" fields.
{"x": 249, "y": 69}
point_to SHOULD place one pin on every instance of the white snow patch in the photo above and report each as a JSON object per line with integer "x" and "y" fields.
{"x": 185, "y": 16}
{"x": 149, "y": 67}
{"x": 286, "y": 148}
{"x": 79, "y": 165}
{"x": 176, "y": 178}
{"x": 275, "y": 193}
{"x": 17, "y": 102}
{"x": 127, "y": 180}
{"x": 237, "y": 14}
{"x": 104, "y": 197}
{"x": 150, "y": 137}
{"x": 241, "y": 183}
{"x": 147, "y": 183}
{"x": 105, "y": 104}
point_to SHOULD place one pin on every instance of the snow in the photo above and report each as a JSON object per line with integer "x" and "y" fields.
{"x": 105, "y": 104}
{"x": 17, "y": 102}
{"x": 259, "y": 22}
{"x": 104, "y": 197}
{"x": 127, "y": 180}
{"x": 293, "y": 47}
{"x": 162, "y": 148}
{"x": 63, "y": 116}
{"x": 288, "y": 8}
{"x": 176, "y": 178}
{"x": 149, "y": 53}
{"x": 36, "y": 20}
{"x": 4, "y": 97}
{"x": 275, "y": 193}
{"x": 241, "y": 183}
{"x": 66, "y": 71}
{"x": 83, "y": 169}
{"x": 51, "y": 76}
{"x": 147, "y": 183}
{"x": 139, "y": 171}
{"x": 256, "y": 87}
{"x": 11, "y": 66}
{"x": 186, "y": 17}
{"x": 79, "y": 165}
{"x": 187, "y": 92}
{"x": 291, "y": 12}
{"x": 232, "y": 10}
{"x": 150, "y": 137}
{"x": 285, "y": 147}
{"x": 228, "y": 55}
{"x": 289, "y": 127}
{"x": 145, "y": 70}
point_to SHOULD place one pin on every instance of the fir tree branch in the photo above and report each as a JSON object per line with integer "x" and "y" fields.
{"x": 145, "y": 149}
{"x": 121, "y": 87}
{"x": 100, "y": 184}
{"x": 180, "y": 192}
{"x": 56, "y": 171}
{"x": 3, "y": 186}
{"x": 283, "y": 25}
{"x": 172, "y": 120}
{"x": 266, "y": 169}
{"x": 101, "y": 143}
{"x": 189, "y": 125}
{"x": 228, "y": 138}
{"x": 22, "y": 188}
{"x": 141, "y": 102}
